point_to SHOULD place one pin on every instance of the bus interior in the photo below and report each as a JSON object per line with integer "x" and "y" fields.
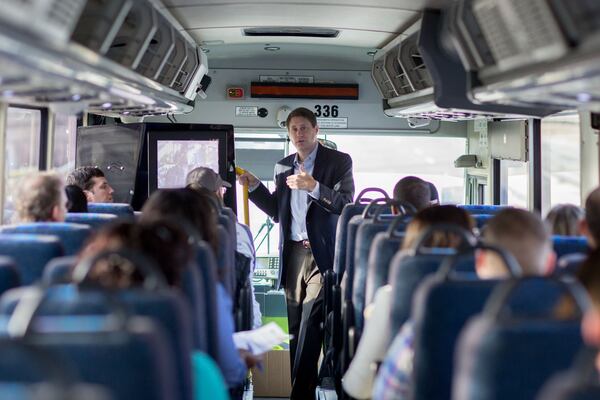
{"x": 494, "y": 102}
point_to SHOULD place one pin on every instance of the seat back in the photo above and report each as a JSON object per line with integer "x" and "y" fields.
{"x": 569, "y": 264}
{"x": 516, "y": 344}
{"x": 9, "y": 274}
{"x": 481, "y": 219}
{"x": 580, "y": 382}
{"x": 482, "y": 209}
{"x": 564, "y": 245}
{"x": 205, "y": 299}
{"x": 58, "y": 270}
{"x": 383, "y": 249}
{"x": 440, "y": 310}
{"x": 442, "y": 305}
{"x": 166, "y": 308}
{"x": 226, "y": 260}
{"x": 349, "y": 211}
{"x": 72, "y": 236}
{"x": 118, "y": 209}
{"x": 93, "y": 220}
{"x": 364, "y": 239}
{"x": 30, "y": 252}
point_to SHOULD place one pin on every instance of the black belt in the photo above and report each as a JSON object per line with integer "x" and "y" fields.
{"x": 304, "y": 243}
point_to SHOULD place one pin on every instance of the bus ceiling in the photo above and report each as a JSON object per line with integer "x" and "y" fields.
{"x": 437, "y": 60}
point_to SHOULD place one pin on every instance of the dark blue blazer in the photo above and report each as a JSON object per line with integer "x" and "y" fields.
{"x": 333, "y": 171}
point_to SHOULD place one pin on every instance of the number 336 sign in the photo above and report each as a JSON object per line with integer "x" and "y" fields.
{"x": 326, "y": 111}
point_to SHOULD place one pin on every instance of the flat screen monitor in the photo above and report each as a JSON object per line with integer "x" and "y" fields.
{"x": 173, "y": 153}
{"x": 175, "y": 158}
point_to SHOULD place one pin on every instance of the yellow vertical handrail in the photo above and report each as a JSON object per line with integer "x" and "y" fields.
{"x": 240, "y": 171}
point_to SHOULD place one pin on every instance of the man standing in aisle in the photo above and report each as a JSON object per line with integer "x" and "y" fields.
{"x": 312, "y": 187}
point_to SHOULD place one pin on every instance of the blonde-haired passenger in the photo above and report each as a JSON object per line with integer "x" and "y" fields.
{"x": 41, "y": 198}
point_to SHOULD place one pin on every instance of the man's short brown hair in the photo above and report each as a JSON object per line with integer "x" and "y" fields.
{"x": 524, "y": 235}
{"x": 37, "y": 197}
{"x": 304, "y": 113}
{"x": 83, "y": 176}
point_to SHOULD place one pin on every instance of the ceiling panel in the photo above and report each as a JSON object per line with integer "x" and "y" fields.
{"x": 346, "y": 38}
{"x": 413, "y": 5}
{"x": 246, "y": 15}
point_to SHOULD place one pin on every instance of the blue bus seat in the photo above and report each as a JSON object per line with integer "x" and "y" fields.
{"x": 482, "y": 209}
{"x": 31, "y": 253}
{"x": 50, "y": 391}
{"x": 580, "y": 382}
{"x": 58, "y": 270}
{"x": 225, "y": 260}
{"x": 569, "y": 264}
{"x": 93, "y": 220}
{"x": 167, "y": 308}
{"x": 407, "y": 272}
{"x": 203, "y": 291}
{"x": 341, "y": 243}
{"x": 516, "y": 344}
{"x": 364, "y": 239}
{"x": 9, "y": 274}
{"x": 72, "y": 236}
{"x": 481, "y": 219}
{"x": 440, "y": 310}
{"x": 118, "y": 209}
{"x": 382, "y": 252}
{"x": 564, "y": 245}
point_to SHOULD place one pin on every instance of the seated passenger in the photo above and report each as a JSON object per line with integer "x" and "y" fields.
{"x": 565, "y": 219}
{"x": 413, "y": 190}
{"x": 358, "y": 380}
{"x": 187, "y": 207}
{"x": 93, "y": 183}
{"x": 76, "y": 200}
{"x": 167, "y": 245}
{"x": 41, "y": 198}
{"x": 590, "y": 225}
{"x": 519, "y": 232}
{"x": 589, "y": 275}
{"x": 203, "y": 177}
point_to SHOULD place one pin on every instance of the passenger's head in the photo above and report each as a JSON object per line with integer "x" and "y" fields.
{"x": 186, "y": 207}
{"x": 590, "y": 226}
{"x": 93, "y": 183}
{"x": 204, "y": 177}
{"x": 524, "y": 235}
{"x": 76, "y": 200}
{"x": 564, "y": 219}
{"x": 414, "y": 191}
{"x": 161, "y": 241}
{"x": 41, "y": 197}
{"x": 427, "y": 217}
{"x": 434, "y": 199}
{"x": 302, "y": 129}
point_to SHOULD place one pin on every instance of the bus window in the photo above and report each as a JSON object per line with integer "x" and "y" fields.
{"x": 560, "y": 161}
{"x": 22, "y": 152}
{"x": 381, "y": 161}
{"x": 517, "y": 174}
{"x": 63, "y": 154}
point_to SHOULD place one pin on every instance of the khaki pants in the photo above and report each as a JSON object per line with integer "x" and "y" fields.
{"x": 303, "y": 282}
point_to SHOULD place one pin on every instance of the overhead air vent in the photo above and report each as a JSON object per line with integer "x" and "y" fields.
{"x": 121, "y": 57}
{"x": 543, "y": 52}
{"x": 428, "y": 82}
{"x": 293, "y": 31}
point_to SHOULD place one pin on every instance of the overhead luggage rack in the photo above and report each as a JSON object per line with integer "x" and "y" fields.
{"x": 428, "y": 82}
{"x": 543, "y": 52}
{"x": 109, "y": 59}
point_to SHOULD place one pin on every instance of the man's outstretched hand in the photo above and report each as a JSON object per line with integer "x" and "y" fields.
{"x": 301, "y": 181}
